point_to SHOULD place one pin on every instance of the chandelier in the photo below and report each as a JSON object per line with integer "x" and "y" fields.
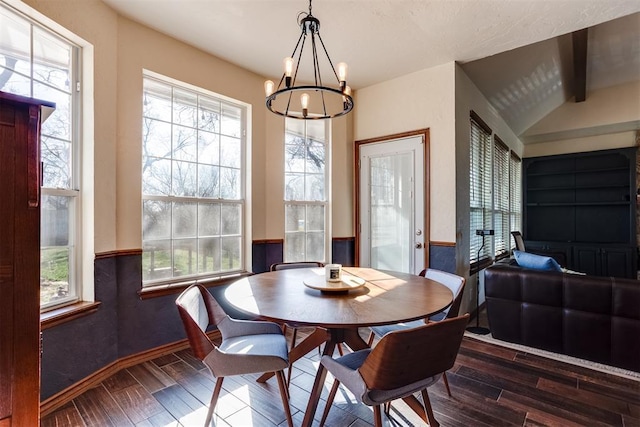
{"x": 311, "y": 102}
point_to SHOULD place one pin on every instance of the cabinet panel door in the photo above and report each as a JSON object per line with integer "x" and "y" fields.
{"x": 7, "y": 196}
{"x": 617, "y": 263}
{"x": 586, "y": 259}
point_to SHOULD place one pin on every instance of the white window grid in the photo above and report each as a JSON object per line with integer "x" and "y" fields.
{"x": 204, "y": 219}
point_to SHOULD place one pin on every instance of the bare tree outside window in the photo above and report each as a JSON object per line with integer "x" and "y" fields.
{"x": 305, "y": 192}
{"x": 192, "y": 183}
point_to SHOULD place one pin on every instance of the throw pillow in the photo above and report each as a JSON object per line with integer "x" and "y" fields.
{"x": 536, "y": 262}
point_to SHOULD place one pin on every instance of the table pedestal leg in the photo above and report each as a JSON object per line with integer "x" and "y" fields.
{"x": 316, "y": 391}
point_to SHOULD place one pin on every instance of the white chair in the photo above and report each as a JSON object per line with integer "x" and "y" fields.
{"x": 452, "y": 281}
{"x": 247, "y": 347}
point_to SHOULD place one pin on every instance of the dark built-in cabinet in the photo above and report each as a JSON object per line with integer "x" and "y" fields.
{"x": 20, "y": 120}
{"x": 581, "y": 210}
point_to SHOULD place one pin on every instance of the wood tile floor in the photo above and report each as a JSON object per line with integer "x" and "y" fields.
{"x": 491, "y": 386}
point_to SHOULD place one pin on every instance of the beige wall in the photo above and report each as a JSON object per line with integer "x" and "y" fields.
{"x": 424, "y": 99}
{"x": 122, "y": 49}
{"x": 616, "y": 104}
{"x": 607, "y": 119}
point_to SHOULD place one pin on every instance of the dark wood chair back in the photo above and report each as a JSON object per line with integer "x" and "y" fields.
{"x": 198, "y": 311}
{"x": 517, "y": 237}
{"x": 302, "y": 264}
{"x": 406, "y": 356}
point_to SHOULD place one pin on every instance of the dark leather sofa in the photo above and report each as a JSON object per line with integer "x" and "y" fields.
{"x": 589, "y": 317}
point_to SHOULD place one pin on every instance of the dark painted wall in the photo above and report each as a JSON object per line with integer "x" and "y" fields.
{"x": 124, "y": 324}
{"x": 442, "y": 258}
{"x": 267, "y": 253}
{"x": 76, "y": 349}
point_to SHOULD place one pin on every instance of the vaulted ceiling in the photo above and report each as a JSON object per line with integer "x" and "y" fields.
{"x": 519, "y": 53}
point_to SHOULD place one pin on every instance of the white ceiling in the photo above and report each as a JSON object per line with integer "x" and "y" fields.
{"x": 383, "y": 39}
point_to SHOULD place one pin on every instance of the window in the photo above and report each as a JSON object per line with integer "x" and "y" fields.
{"x": 515, "y": 194}
{"x": 193, "y": 182}
{"x": 495, "y": 194}
{"x": 37, "y": 62}
{"x": 479, "y": 188}
{"x": 306, "y": 190}
{"x": 501, "y": 215}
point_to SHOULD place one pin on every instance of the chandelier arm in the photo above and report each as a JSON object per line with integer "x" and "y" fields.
{"x": 324, "y": 104}
{"x": 295, "y": 75}
{"x": 316, "y": 64}
{"x": 286, "y": 111}
{"x": 329, "y": 58}
{"x": 316, "y": 71}
{"x": 301, "y": 38}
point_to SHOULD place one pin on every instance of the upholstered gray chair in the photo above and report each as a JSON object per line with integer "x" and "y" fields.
{"x": 402, "y": 363}
{"x": 247, "y": 346}
{"x": 452, "y": 281}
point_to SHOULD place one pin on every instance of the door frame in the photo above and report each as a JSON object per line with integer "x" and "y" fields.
{"x": 424, "y": 133}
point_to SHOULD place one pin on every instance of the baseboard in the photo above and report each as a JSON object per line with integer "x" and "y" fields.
{"x": 68, "y": 394}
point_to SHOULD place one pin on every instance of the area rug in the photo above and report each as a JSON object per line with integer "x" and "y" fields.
{"x": 560, "y": 357}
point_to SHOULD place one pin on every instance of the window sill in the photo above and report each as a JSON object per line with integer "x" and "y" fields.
{"x": 164, "y": 289}
{"x": 67, "y": 313}
{"x": 477, "y": 266}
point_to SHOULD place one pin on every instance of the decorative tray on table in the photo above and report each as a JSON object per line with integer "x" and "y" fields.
{"x": 345, "y": 284}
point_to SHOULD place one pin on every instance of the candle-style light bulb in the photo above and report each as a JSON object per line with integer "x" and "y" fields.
{"x": 288, "y": 69}
{"x": 304, "y": 101}
{"x": 268, "y": 87}
{"x": 288, "y": 66}
{"x": 342, "y": 75}
{"x": 342, "y": 72}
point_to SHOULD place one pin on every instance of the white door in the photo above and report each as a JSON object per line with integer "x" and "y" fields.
{"x": 391, "y": 213}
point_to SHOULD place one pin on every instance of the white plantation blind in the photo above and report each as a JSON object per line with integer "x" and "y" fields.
{"x": 501, "y": 198}
{"x": 479, "y": 188}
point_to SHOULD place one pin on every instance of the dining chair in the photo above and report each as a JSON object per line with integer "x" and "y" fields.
{"x": 517, "y": 237}
{"x": 452, "y": 281}
{"x": 247, "y": 347}
{"x": 402, "y": 363}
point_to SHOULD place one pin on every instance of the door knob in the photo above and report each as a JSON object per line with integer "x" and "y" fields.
{"x": 418, "y": 245}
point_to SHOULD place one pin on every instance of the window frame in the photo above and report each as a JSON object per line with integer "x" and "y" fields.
{"x": 79, "y": 275}
{"x": 242, "y": 200}
{"x": 326, "y": 203}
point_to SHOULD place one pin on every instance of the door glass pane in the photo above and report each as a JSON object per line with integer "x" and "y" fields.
{"x": 391, "y": 211}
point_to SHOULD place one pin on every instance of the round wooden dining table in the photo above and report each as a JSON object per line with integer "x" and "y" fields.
{"x": 380, "y": 298}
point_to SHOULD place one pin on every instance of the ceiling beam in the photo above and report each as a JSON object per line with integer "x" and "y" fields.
{"x": 580, "y": 64}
